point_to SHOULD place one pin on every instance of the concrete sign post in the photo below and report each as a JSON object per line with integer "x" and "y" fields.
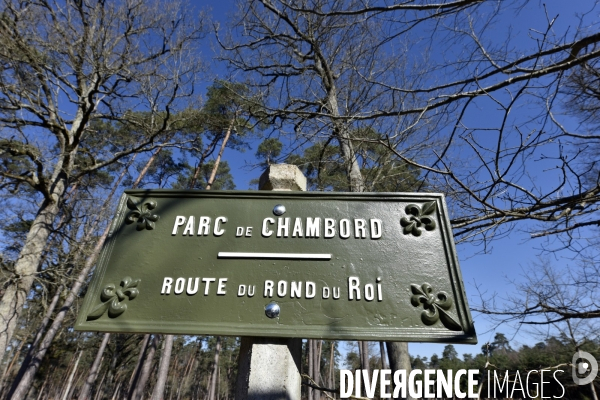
{"x": 259, "y": 357}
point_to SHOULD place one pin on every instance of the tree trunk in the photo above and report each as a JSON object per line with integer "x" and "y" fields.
{"x": 310, "y": 372}
{"x": 593, "y": 390}
{"x": 213, "y": 173}
{"x": 43, "y": 387}
{"x": 364, "y": 355}
{"x": 71, "y": 376}
{"x": 139, "y": 384}
{"x": 38, "y": 335}
{"x": 100, "y": 393}
{"x": 317, "y": 367}
{"x": 218, "y": 382}
{"x": 89, "y": 382}
{"x": 23, "y": 386}
{"x": 117, "y": 391}
{"x": 9, "y": 366}
{"x": 174, "y": 378}
{"x": 147, "y": 166}
{"x": 111, "y": 376}
{"x": 399, "y": 358}
{"x": 186, "y": 373}
{"x": 13, "y": 300}
{"x": 314, "y": 368}
{"x": 138, "y": 366}
{"x": 163, "y": 368}
{"x": 356, "y": 181}
{"x": 309, "y": 362}
{"x": 383, "y": 358}
{"x": 209, "y": 150}
{"x": 212, "y": 393}
{"x": 330, "y": 375}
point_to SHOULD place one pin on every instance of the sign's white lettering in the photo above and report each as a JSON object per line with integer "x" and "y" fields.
{"x": 191, "y": 285}
{"x": 203, "y": 226}
{"x": 272, "y": 289}
{"x": 284, "y": 227}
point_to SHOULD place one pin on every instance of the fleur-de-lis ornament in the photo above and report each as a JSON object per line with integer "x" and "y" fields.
{"x": 113, "y": 298}
{"x": 418, "y": 217}
{"x": 143, "y": 215}
{"x": 435, "y": 306}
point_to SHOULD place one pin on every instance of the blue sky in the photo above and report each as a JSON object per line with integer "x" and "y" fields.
{"x": 509, "y": 258}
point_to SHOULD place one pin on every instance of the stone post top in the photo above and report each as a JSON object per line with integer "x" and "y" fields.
{"x": 282, "y": 177}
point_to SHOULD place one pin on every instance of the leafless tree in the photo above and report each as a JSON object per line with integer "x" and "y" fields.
{"x": 552, "y": 301}
{"x": 420, "y": 73}
{"x": 548, "y": 296}
{"x": 65, "y": 65}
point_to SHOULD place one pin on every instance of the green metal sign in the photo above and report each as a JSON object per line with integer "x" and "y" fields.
{"x": 349, "y": 266}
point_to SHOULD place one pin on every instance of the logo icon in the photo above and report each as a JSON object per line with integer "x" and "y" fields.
{"x": 587, "y": 363}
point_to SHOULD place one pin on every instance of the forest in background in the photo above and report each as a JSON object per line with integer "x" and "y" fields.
{"x": 382, "y": 97}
